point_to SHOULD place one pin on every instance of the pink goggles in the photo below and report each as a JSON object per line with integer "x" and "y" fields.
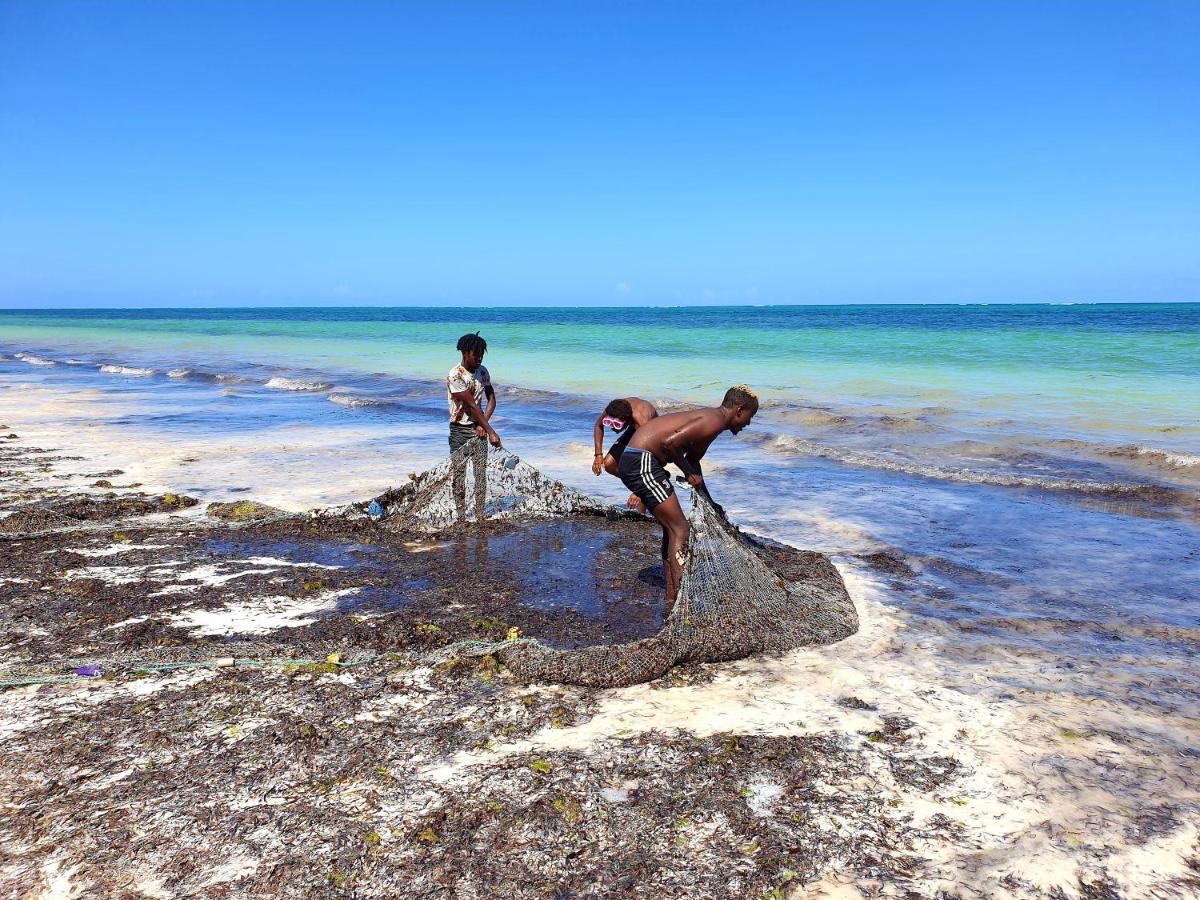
{"x": 614, "y": 423}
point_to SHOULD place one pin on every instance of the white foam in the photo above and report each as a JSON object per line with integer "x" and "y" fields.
{"x": 1174, "y": 460}
{"x": 354, "y": 402}
{"x": 133, "y": 371}
{"x": 292, "y": 384}
{"x": 34, "y": 360}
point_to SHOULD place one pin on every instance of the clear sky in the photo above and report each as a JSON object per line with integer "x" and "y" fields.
{"x": 221, "y": 153}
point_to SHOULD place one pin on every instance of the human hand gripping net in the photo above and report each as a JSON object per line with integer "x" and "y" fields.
{"x": 738, "y": 596}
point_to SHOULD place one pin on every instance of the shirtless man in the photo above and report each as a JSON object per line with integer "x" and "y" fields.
{"x": 624, "y": 416}
{"x": 681, "y": 438}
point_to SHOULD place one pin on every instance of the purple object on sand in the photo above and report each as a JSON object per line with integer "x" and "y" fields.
{"x": 88, "y": 671}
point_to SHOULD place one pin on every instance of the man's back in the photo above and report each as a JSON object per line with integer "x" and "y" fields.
{"x": 702, "y": 425}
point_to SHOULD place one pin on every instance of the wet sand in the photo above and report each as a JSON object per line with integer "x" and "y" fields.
{"x": 868, "y": 767}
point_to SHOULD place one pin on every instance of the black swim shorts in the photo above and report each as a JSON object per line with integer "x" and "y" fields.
{"x": 644, "y": 475}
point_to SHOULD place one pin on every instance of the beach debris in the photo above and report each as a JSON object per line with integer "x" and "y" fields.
{"x": 87, "y": 671}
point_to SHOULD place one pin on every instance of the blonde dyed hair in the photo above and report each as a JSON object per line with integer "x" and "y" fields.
{"x": 740, "y": 395}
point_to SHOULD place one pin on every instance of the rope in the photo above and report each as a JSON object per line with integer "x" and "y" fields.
{"x": 224, "y": 662}
{"x": 460, "y": 648}
{"x": 140, "y": 522}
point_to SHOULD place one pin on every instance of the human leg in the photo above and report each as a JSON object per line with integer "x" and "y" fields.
{"x": 649, "y": 482}
{"x": 460, "y": 436}
{"x": 675, "y": 538}
{"x": 479, "y": 455}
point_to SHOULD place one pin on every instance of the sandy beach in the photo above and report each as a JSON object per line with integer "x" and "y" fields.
{"x": 223, "y": 752}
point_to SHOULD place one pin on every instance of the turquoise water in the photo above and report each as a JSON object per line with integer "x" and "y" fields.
{"x": 1117, "y": 371}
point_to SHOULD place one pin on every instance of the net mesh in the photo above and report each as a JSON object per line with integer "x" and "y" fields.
{"x": 738, "y": 596}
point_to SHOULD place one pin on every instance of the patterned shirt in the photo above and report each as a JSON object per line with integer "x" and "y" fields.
{"x": 460, "y": 379}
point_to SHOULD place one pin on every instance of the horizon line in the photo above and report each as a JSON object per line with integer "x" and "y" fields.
{"x": 470, "y": 306}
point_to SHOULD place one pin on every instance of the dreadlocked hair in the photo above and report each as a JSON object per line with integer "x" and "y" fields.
{"x": 740, "y": 395}
{"x": 619, "y": 409}
{"x": 471, "y": 343}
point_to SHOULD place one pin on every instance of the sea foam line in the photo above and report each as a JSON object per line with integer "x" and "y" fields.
{"x": 1149, "y": 492}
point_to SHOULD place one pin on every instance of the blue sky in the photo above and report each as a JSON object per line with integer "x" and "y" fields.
{"x": 198, "y": 153}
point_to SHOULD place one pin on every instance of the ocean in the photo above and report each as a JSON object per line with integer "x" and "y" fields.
{"x": 1016, "y": 487}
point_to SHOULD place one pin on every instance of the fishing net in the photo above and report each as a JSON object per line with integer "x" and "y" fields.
{"x": 738, "y": 596}
{"x": 477, "y": 482}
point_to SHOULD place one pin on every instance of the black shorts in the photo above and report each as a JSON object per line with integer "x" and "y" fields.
{"x": 621, "y": 443}
{"x": 644, "y": 475}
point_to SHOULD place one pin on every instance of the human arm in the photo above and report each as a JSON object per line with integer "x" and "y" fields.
{"x": 598, "y": 443}
{"x": 677, "y": 448}
{"x": 490, "y": 393}
{"x": 478, "y": 416}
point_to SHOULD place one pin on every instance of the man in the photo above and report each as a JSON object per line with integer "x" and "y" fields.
{"x": 468, "y": 388}
{"x": 681, "y": 438}
{"x": 624, "y": 416}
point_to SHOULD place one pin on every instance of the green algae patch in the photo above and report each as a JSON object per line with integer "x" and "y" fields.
{"x": 241, "y": 511}
{"x": 569, "y": 808}
{"x": 177, "y": 501}
{"x": 315, "y": 668}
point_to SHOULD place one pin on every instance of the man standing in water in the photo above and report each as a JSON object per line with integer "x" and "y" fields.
{"x": 468, "y": 387}
{"x": 681, "y": 438}
{"x": 624, "y": 416}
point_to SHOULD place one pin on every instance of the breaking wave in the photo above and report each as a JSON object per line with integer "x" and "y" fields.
{"x": 1152, "y": 455}
{"x": 135, "y": 371}
{"x": 34, "y": 360}
{"x": 207, "y": 377}
{"x": 355, "y": 402}
{"x": 295, "y": 384}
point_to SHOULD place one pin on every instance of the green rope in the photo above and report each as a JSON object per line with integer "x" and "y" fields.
{"x": 219, "y": 663}
{"x": 465, "y": 648}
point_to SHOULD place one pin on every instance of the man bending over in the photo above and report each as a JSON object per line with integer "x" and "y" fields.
{"x": 681, "y": 438}
{"x": 624, "y": 416}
